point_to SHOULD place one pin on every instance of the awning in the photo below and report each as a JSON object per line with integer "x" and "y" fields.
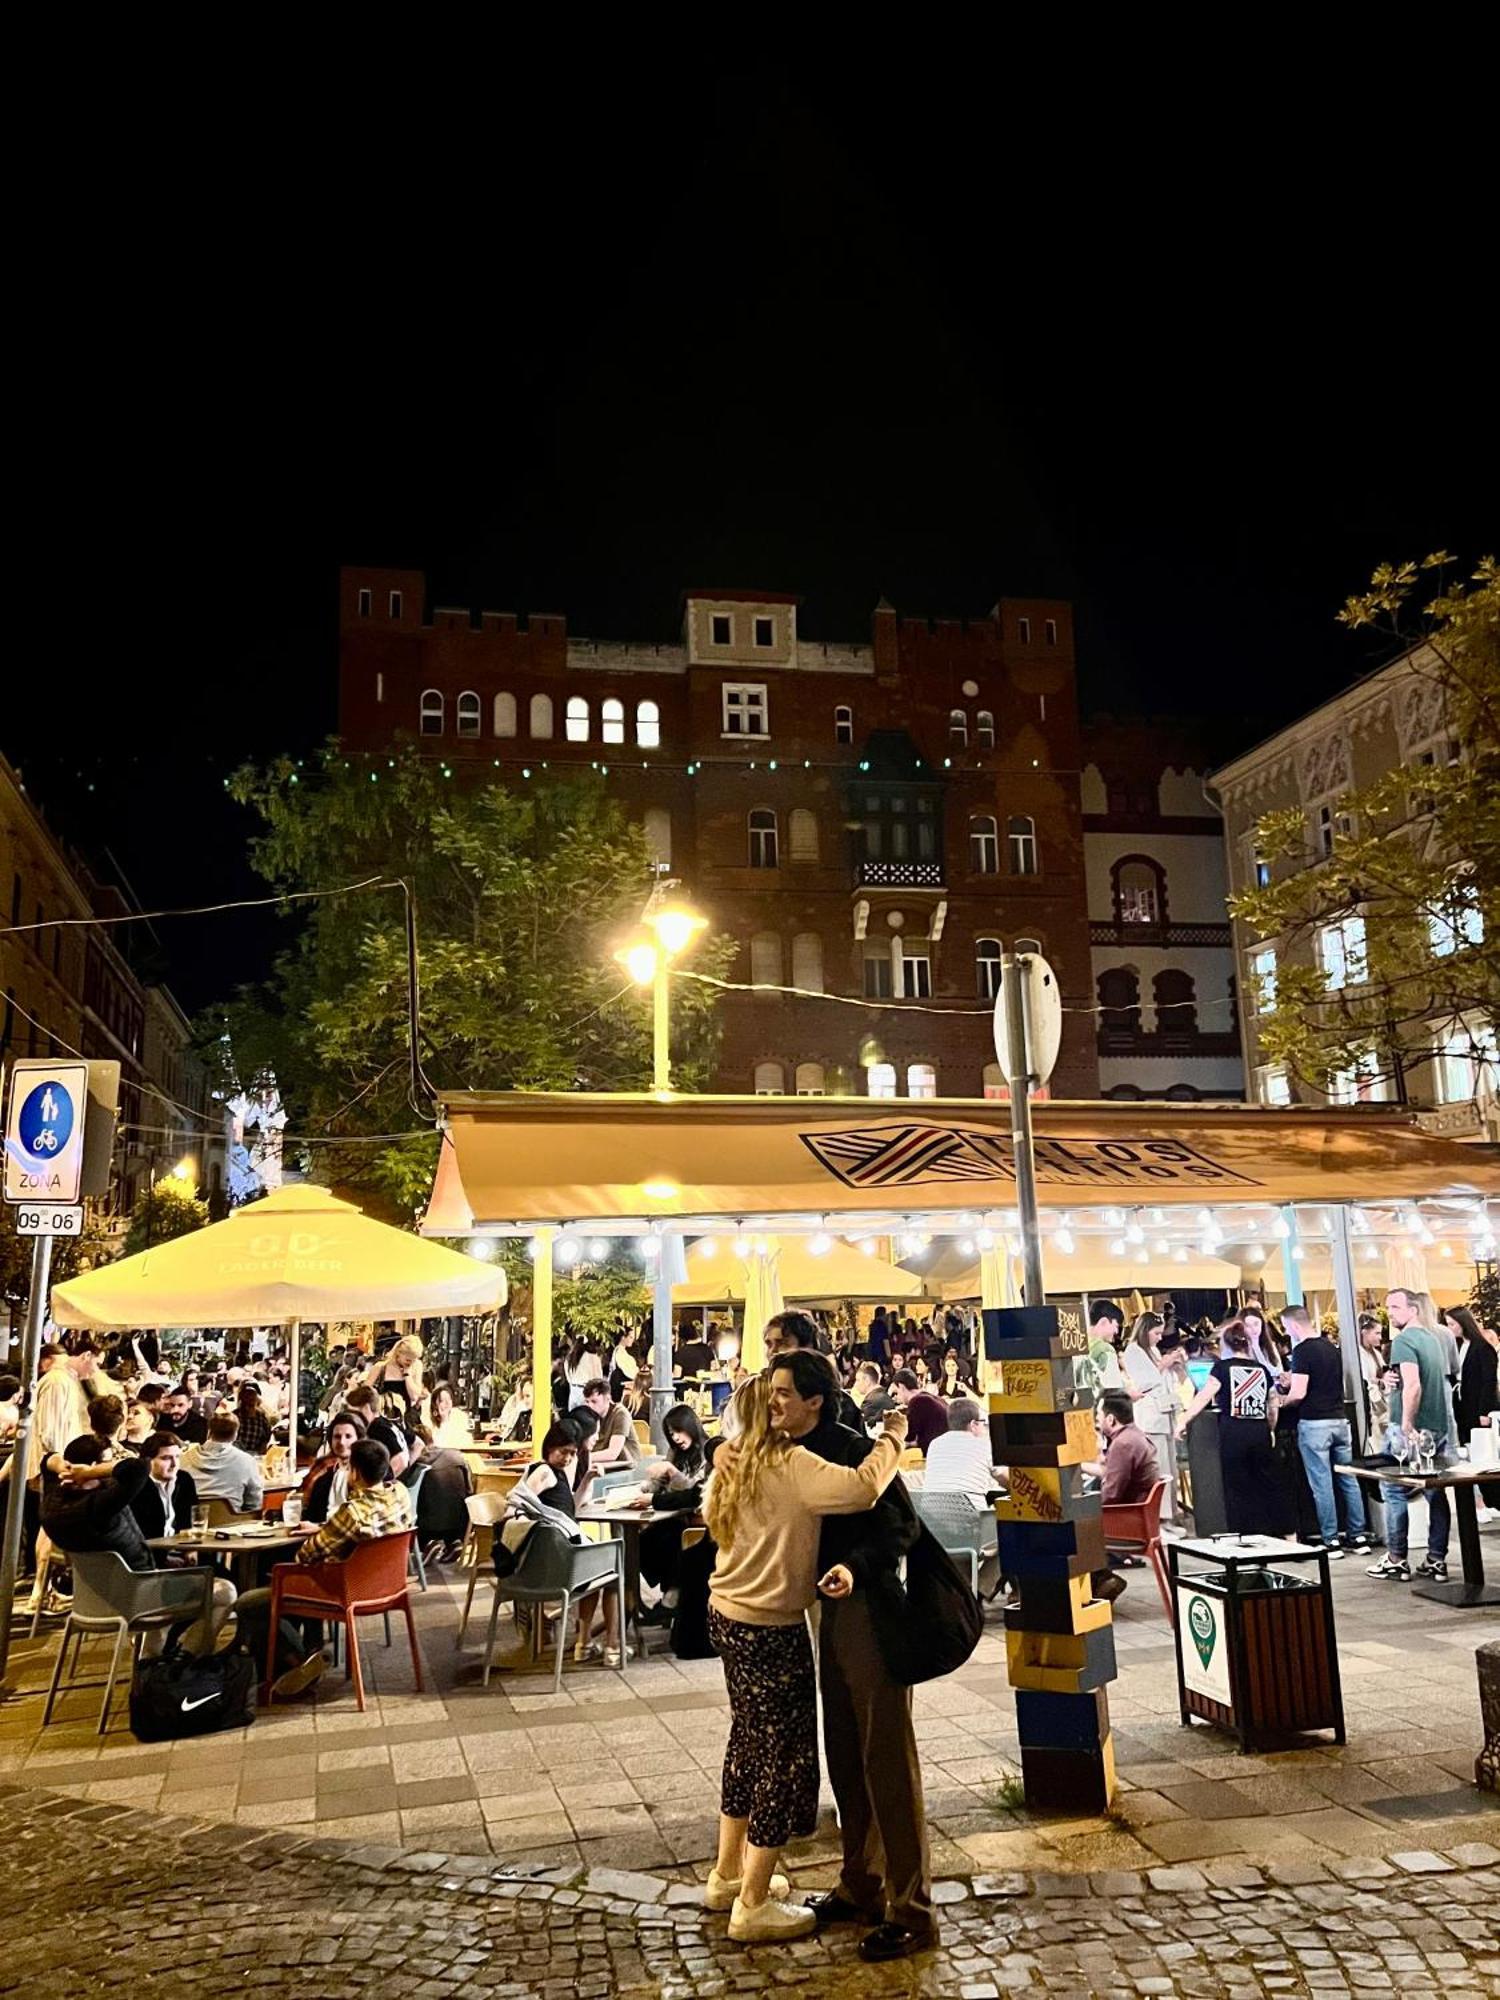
{"x": 717, "y": 1276}
{"x": 518, "y": 1158}
{"x": 946, "y": 1273}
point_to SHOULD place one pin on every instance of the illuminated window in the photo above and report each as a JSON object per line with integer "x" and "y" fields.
{"x": 746, "y": 712}
{"x": 765, "y": 959}
{"x": 1020, "y": 834}
{"x": 984, "y": 845}
{"x": 802, "y": 834}
{"x": 880, "y": 1080}
{"x": 921, "y": 1080}
{"x": 1263, "y": 979}
{"x": 541, "y": 716}
{"x": 612, "y": 721}
{"x": 1139, "y": 891}
{"x": 721, "y": 628}
{"x": 810, "y": 1079}
{"x": 364, "y": 604}
{"x": 1364, "y": 1084}
{"x": 958, "y": 727}
{"x": 1459, "y": 925}
{"x": 770, "y": 1080}
{"x": 877, "y": 984}
{"x": 432, "y": 712}
{"x": 916, "y": 975}
{"x": 807, "y": 961}
{"x": 765, "y": 632}
{"x": 1275, "y": 1087}
{"x": 468, "y": 714}
{"x": 1467, "y": 1059}
{"x": 505, "y": 715}
{"x": 984, "y": 729}
{"x": 576, "y": 723}
{"x": 843, "y": 725}
{"x": 987, "y": 967}
{"x": 659, "y": 836}
{"x": 1341, "y": 953}
{"x": 647, "y": 725}
{"x": 764, "y": 846}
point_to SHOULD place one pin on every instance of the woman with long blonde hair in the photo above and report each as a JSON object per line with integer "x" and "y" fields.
{"x": 1154, "y": 1399}
{"x": 764, "y": 1506}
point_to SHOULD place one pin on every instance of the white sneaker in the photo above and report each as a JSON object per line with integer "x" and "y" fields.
{"x": 770, "y": 1922}
{"x": 721, "y": 1892}
{"x": 1484, "y": 1515}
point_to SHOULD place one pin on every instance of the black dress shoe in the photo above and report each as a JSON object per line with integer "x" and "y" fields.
{"x": 832, "y": 1908}
{"x": 895, "y": 1941}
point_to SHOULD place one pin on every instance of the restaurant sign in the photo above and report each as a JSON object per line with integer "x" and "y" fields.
{"x": 910, "y": 1154}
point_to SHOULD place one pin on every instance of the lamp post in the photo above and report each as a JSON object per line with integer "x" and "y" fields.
{"x": 668, "y": 928}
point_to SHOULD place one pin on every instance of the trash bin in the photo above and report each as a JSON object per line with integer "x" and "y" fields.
{"x": 1256, "y": 1649}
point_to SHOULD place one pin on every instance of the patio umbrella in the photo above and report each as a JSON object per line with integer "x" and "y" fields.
{"x": 299, "y": 1254}
{"x": 763, "y": 1300}
{"x": 717, "y": 1276}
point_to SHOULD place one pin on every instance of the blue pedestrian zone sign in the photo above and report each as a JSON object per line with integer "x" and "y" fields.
{"x": 44, "y": 1131}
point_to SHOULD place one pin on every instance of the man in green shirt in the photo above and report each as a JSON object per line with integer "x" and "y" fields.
{"x": 1418, "y": 1389}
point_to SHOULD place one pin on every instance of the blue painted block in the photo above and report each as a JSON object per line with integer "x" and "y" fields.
{"x": 1062, "y": 1721}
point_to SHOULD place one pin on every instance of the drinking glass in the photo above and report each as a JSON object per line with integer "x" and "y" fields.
{"x": 291, "y": 1510}
{"x": 1427, "y": 1449}
{"x": 200, "y": 1520}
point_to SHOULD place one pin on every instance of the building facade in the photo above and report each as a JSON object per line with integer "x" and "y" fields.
{"x": 1392, "y": 719}
{"x": 869, "y": 819}
{"x": 1159, "y": 936}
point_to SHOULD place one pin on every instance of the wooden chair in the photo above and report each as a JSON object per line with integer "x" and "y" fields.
{"x": 371, "y": 1580}
{"x": 1137, "y": 1530}
{"x": 485, "y": 1511}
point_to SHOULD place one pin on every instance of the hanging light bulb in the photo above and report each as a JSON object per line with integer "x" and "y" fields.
{"x": 1113, "y": 1218}
{"x": 650, "y": 1247}
{"x": 567, "y": 1251}
{"x": 966, "y": 1246}
{"x": 1158, "y": 1215}
{"x": 1134, "y": 1233}
{"x": 707, "y": 1247}
{"x": 820, "y": 1245}
{"x": 1281, "y": 1227}
{"x": 1160, "y": 1246}
{"x": 1179, "y": 1255}
{"x": 986, "y": 1239}
{"x": 1296, "y": 1253}
{"x": 598, "y": 1250}
{"x": 742, "y": 1246}
{"x": 869, "y": 1246}
{"x": 1063, "y": 1241}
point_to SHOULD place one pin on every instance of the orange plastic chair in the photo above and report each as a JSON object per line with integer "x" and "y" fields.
{"x": 373, "y": 1579}
{"x": 1137, "y": 1529}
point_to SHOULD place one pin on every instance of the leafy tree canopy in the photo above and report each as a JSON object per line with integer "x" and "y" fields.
{"x": 166, "y": 1209}
{"x": 1416, "y": 860}
{"x": 522, "y": 894}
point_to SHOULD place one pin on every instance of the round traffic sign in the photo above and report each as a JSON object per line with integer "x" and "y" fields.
{"x": 46, "y": 1121}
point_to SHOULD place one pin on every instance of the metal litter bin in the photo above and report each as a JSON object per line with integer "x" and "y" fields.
{"x": 1256, "y": 1649}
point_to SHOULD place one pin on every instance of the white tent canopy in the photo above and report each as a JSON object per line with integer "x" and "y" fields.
{"x": 717, "y": 1276}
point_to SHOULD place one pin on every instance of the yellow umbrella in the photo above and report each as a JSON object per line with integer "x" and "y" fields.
{"x": 763, "y": 1301}
{"x": 717, "y": 1276}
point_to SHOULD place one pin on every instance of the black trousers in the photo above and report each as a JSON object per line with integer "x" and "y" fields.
{"x": 1254, "y": 1497}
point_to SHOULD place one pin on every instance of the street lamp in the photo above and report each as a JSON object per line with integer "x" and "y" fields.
{"x": 667, "y": 929}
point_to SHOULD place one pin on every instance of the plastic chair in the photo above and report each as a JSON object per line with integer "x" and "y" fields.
{"x": 553, "y": 1570}
{"x": 372, "y": 1579}
{"x": 412, "y": 1479}
{"x": 222, "y": 1512}
{"x": 485, "y": 1511}
{"x": 614, "y": 1482}
{"x": 959, "y": 1527}
{"x": 1137, "y": 1529}
{"x": 109, "y": 1596}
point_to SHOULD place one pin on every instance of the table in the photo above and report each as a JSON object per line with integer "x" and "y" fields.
{"x": 236, "y": 1549}
{"x": 631, "y": 1520}
{"x": 1464, "y": 1481}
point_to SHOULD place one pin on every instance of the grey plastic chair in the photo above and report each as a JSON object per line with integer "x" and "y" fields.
{"x": 412, "y": 1479}
{"x": 109, "y": 1596}
{"x": 553, "y": 1570}
{"x": 966, "y": 1534}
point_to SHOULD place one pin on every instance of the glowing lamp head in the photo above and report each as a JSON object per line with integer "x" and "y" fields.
{"x": 639, "y": 959}
{"x": 661, "y": 1189}
{"x": 676, "y": 925}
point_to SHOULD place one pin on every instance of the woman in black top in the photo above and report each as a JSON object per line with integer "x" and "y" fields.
{"x": 1246, "y": 1395}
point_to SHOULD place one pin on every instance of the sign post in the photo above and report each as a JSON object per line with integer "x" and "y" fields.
{"x": 47, "y": 1132}
{"x": 1028, "y": 1030}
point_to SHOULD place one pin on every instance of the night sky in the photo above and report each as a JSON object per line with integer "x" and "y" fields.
{"x": 933, "y": 338}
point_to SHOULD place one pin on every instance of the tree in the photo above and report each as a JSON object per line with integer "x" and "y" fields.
{"x": 71, "y": 1255}
{"x": 521, "y": 892}
{"x": 1413, "y": 879}
{"x": 166, "y": 1209}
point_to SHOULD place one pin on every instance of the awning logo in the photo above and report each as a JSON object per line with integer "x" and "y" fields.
{"x": 908, "y": 1155}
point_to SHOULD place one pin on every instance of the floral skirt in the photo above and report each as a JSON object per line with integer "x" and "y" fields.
{"x": 771, "y": 1762}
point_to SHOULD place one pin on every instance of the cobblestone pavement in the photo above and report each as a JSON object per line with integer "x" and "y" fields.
{"x": 97, "y": 1898}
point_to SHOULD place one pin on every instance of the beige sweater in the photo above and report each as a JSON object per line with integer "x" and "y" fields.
{"x": 770, "y": 1576}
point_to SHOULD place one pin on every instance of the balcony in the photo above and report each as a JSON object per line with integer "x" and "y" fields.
{"x": 1467, "y": 1120}
{"x": 899, "y": 875}
{"x": 1160, "y": 936}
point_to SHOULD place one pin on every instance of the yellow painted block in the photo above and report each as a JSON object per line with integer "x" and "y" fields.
{"x": 1080, "y": 1438}
{"x": 1030, "y": 1386}
{"x": 1035, "y": 1495}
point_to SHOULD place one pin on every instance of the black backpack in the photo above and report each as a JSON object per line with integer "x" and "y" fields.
{"x": 178, "y": 1695}
{"x": 929, "y": 1626}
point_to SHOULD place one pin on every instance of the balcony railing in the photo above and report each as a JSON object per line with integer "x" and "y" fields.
{"x": 1159, "y": 934}
{"x": 898, "y": 874}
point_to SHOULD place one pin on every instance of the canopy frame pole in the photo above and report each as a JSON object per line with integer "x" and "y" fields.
{"x": 1013, "y": 990}
{"x": 541, "y": 1336}
{"x": 294, "y": 1394}
{"x": 1291, "y": 1275}
{"x": 661, "y": 1348}
{"x": 10, "y": 1562}
{"x": 1348, "y": 1305}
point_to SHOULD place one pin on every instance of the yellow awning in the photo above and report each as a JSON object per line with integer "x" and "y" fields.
{"x": 301, "y": 1254}
{"x": 716, "y": 1276}
{"x": 522, "y": 1158}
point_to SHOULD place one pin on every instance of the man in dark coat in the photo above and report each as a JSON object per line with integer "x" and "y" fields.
{"x": 886, "y": 1879}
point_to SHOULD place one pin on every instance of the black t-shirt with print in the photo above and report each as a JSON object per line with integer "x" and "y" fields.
{"x": 1244, "y": 1390}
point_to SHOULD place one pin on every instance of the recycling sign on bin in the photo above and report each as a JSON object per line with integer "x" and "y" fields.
{"x": 46, "y": 1115}
{"x": 1200, "y": 1642}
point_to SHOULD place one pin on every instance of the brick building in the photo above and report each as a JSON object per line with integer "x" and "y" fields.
{"x": 869, "y": 819}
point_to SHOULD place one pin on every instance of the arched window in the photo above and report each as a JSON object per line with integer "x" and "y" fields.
{"x": 807, "y": 961}
{"x": 802, "y": 834}
{"x": 1139, "y": 887}
{"x": 810, "y": 1079}
{"x": 958, "y": 727}
{"x": 921, "y": 1080}
{"x": 984, "y": 845}
{"x": 1176, "y": 999}
{"x": 765, "y": 959}
{"x": 432, "y": 712}
{"x": 984, "y": 729}
{"x": 1020, "y": 833}
{"x": 1119, "y": 1002}
{"x": 987, "y": 967}
{"x": 843, "y": 725}
{"x": 576, "y": 724}
{"x": 505, "y": 715}
{"x": 770, "y": 1080}
{"x": 541, "y": 716}
{"x": 468, "y": 714}
{"x": 611, "y": 720}
{"x": 648, "y": 725}
{"x": 764, "y": 850}
{"x": 659, "y": 835}
{"x": 880, "y": 1080}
